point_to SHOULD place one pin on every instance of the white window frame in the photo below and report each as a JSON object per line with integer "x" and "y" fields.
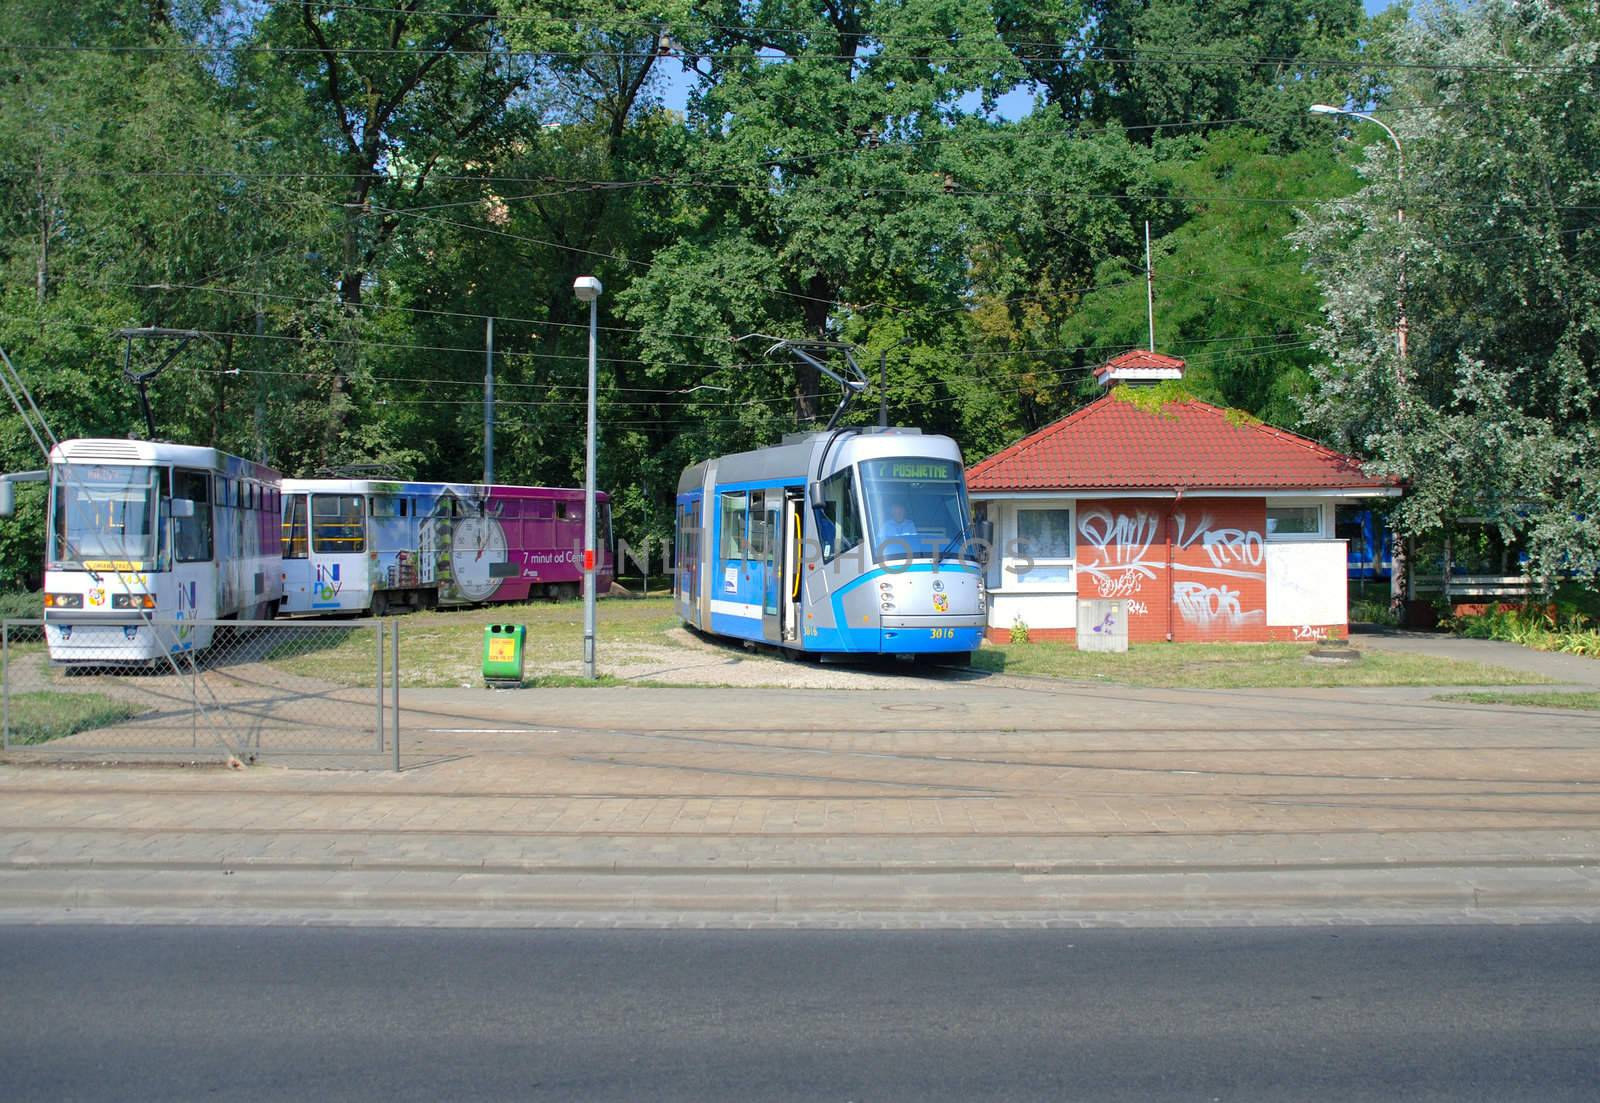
{"x": 1011, "y": 579}
{"x": 1324, "y": 531}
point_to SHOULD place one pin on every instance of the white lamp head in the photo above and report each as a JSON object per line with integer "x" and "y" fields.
{"x": 1324, "y": 109}
{"x": 587, "y": 288}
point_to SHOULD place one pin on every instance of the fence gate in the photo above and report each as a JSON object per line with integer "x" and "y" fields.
{"x": 199, "y": 689}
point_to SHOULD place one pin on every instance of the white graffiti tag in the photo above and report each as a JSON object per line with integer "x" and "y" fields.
{"x": 1228, "y": 550}
{"x": 1121, "y": 546}
{"x": 1212, "y": 607}
{"x": 1310, "y": 632}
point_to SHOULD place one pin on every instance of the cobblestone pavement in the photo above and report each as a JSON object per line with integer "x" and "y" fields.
{"x": 1341, "y": 794}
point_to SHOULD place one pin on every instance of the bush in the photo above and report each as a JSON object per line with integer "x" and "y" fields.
{"x": 1019, "y": 630}
{"x": 1560, "y": 628}
{"x": 21, "y": 605}
{"x": 1373, "y": 612}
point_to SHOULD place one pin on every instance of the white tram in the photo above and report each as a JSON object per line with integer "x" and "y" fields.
{"x": 144, "y": 536}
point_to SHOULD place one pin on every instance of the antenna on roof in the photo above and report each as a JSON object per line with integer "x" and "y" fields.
{"x": 1149, "y": 286}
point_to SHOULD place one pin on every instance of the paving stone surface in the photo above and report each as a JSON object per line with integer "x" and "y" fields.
{"x": 992, "y": 780}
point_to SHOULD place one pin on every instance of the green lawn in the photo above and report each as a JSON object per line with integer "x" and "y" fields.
{"x": 43, "y": 715}
{"x": 1238, "y": 666}
{"x": 446, "y": 648}
{"x": 1586, "y": 701}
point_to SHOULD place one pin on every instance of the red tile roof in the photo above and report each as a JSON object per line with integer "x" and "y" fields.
{"x": 1113, "y": 444}
{"x": 1138, "y": 358}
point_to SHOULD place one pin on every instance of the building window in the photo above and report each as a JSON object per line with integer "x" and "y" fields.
{"x": 1294, "y": 522}
{"x": 1045, "y": 549}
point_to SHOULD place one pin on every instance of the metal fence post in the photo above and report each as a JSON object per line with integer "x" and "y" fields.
{"x": 394, "y": 675}
{"x": 378, "y": 676}
{"x": 194, "y": 698}
{"x": 5, "y": 689}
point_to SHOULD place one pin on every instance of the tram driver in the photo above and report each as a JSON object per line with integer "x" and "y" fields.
{"x": 899, "y": 523}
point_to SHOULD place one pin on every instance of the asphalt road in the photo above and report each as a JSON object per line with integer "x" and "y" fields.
{"x": 163, "y": 1013}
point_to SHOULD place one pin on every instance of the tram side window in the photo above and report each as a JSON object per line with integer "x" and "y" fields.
{"x": 294, "y": 527}
{"x": 191, "y": 536}
{"x": 735, "y": 507}
{"x": 839, "y": 520}
{"x": 336, "y": 524}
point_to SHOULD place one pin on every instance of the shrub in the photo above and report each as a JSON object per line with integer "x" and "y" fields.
{"x": 1019, "y": 629}
{"x": 1373, "y": 612}
{"x": 21, "y": 605}
{"x": 1542, "y": 628}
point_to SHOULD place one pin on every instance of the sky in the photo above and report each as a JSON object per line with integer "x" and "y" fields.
{"x": 674, "y": 88}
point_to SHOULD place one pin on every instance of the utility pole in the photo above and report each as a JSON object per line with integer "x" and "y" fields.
{"x": 261, "y": 385}
{"x": 488, "y": 402}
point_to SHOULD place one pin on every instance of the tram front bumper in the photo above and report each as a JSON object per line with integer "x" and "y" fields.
{"x": 910, "y": 634}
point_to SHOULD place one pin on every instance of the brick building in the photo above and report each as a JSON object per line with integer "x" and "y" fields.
{"x": 1208, "y": 526}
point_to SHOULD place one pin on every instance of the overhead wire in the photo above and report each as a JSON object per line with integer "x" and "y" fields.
{"x": 1174, "y": 58}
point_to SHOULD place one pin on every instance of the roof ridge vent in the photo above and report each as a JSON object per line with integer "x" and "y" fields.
{"x": 1139, "y": 367}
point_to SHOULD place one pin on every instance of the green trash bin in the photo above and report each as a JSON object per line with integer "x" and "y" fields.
{"x": 502, "y": 653}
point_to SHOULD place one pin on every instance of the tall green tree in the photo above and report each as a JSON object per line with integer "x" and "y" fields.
{"x": 1492, "y": 412}
{"x": 818, "y": 147}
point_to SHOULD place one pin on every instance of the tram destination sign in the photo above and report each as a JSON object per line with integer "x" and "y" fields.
{"x": 912, "y": 469}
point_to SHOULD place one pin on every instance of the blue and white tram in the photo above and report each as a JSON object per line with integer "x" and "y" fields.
{"x": 854, "y": 541}
{"x": 142, "y": 532}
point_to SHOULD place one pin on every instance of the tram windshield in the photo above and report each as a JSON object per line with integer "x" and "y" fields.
{"x": 103, "y": 512}
{"x": 917, "y": 507}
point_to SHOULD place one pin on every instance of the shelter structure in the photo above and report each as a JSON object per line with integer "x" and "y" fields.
{"x": 1203, "y": 523}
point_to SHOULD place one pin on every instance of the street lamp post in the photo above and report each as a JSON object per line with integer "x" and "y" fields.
{"x": 1399, "y": 577}
{"x": 588, "y": 289}
{"x": 1400, "y": 217}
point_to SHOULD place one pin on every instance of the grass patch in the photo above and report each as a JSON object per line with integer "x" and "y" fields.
{"x": 1586, "y": 701}
{"x": 1238, "y": 666}
{"x": 445, "y": 648}
{"x": 44, "y": 715}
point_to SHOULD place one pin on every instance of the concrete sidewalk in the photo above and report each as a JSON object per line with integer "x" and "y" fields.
{"x": 1576, "y": 670}
{"x": 963, "y": 801}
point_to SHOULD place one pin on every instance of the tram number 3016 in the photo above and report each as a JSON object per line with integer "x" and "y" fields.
{"x": 942, "y": 633}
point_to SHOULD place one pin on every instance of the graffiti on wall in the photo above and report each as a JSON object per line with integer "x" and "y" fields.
{"x": 1121, "y": 550}
{"x": 1122, "y": 554}
{"x": 1213, "y": 608}
{"x": 1228, "y": 551}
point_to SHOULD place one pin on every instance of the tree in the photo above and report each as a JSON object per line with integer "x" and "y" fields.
{"x": 1230, "y": 295}
{"x": 1492, "y": 413}
{"x": 1175, "y": 66}
{"x": 818, "y": 145}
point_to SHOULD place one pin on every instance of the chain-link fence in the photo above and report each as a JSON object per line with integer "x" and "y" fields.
{"x": 198, "y": 689}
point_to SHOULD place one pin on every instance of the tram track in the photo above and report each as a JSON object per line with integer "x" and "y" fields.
{"x": 777, "y": 836}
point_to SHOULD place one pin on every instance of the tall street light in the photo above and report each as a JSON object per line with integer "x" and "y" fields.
{"x": 588, "y": 289}
{"x": 1400, "y": 216}
{"x": 1399, "y": 576}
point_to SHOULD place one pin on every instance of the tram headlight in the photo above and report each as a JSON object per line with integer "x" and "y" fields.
{"x": 888, "y": 606}
{"x": 63, "y": 601}
{"x": 133, "y": 601}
